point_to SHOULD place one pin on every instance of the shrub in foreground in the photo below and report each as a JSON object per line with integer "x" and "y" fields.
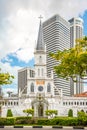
{"x": 9, "y": 113}
{"x": 7, "y": 121}
{"x": 25, "y": 120}
{"x": 60, "y": 121}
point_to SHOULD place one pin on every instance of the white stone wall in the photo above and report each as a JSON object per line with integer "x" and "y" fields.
{"x": 55, "y": 103}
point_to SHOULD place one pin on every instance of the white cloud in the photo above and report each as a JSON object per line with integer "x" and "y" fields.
{"x": 25, "y": 54}
{"x": 67, "y": 8}
{"x": 5, "y": 67}
{"x": 20, "y": 34}
{"x": 20, "y": 27}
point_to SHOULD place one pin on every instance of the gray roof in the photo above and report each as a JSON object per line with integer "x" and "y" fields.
{"x": 40, "y": 41}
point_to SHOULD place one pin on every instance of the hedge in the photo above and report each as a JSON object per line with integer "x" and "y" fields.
{"x": 59, "y": 121}
{"x": 44, "y": 122}
{"x": 7, "y": 121}
{"x": 25, "y": 120}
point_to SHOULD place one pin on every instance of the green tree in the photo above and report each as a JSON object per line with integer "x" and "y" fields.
{"x": 70, "y": 113}
{"x": 82, "y": 118}
{"x": 9, "y": 113}
{"x": 5, "y": 78}
{"x": 72, "y": 62}
{"x": 51, "y": 113}
{"x": 29, "y": 112}
{"x": 81, "y": 114}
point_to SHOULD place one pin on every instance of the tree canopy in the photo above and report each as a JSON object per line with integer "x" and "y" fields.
{"x": 29, "y": 112}
{"x": 72, "y": 62}
{"x": 5, "y": 78}
{"x": 51, "y": 112}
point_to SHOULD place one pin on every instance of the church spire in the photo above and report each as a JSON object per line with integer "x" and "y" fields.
{"x": 40, "y": 42}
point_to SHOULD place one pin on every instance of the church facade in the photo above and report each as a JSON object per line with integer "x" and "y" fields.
{"x": 37, "y": 91}
{"x": 39, "y": 88}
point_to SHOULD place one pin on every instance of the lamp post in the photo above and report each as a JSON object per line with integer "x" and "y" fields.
{"x": 9, "y": 93}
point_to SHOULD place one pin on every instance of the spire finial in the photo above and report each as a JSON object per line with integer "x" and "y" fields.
{"x": 40, "y": 17}
{"x": 40, "y": 40}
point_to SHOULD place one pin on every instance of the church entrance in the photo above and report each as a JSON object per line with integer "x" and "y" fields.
{"x": 40, "y": 110}
{"x": 39, "y": 104}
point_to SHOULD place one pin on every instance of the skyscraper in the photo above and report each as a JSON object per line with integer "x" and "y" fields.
{"x": 56, "y": 32}
{"x": 76, "y": 32}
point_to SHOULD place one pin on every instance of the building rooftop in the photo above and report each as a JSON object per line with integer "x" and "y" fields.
{"x": 84, "y": 94}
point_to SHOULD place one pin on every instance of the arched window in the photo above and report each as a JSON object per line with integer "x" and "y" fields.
{"x": 40, "y": 59}
{"x": 17, "y": 103}
{"x": 32, "y": 87}
{"x": 42, "y": 71}
{"x": 38, "y": 72}
{"x": 48, "y": 87}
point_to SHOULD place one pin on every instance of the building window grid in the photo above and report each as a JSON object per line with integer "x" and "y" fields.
{"x": 75, "y": 103}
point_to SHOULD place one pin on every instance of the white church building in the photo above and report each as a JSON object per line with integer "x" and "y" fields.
{"x": 37, "y": 91}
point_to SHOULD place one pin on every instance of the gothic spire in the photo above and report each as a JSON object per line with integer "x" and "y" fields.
{"x": 40, "y": 42}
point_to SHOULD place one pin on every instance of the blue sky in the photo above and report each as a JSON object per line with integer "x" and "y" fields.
{"x": 19, "y": 26}
{"x": 84, "y": 17}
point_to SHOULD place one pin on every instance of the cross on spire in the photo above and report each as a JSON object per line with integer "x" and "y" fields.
{"x": 40, "y": 42}
{"x": 40, "y": 17}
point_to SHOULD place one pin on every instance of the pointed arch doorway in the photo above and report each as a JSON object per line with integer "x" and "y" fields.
{"x": 39, "y": 104}
{"x": 40, "y": 110}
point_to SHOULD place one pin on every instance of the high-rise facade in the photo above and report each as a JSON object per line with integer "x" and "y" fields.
{"x": 23, "y": 75}
{"x": 76, "y": 32}
{"x": 56, "y": 32}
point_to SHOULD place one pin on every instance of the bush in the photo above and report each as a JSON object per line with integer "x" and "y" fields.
{"x": 2, "y": 121}
{"x": 82, "y": 118}
{"x": 70, "y": 113}
{"x": 22, "y": 117}
{"x": 64, "y": 121}
{"x": 10, "y": 121}
{"x": 9, "y": 113}
{"x": 59, "y": 121}
{"x": 7, "y": 121}
{"x": 44, "y": 122}
{"x": 25, "y": 120}
{"x": 70, "y": 122}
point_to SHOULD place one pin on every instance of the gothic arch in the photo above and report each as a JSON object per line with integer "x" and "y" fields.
{"x": 48, "y": 87}
{"x": 32, "y": 87}
{"x": 40, "y": 59}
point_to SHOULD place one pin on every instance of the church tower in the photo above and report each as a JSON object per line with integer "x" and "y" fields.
{"x": 40, "y": 55}
{"x": 40, "y": 83}
{"x": 40, "y": 62}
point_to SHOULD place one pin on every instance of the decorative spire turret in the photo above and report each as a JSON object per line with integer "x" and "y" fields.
{"x": 40, "y": 42}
